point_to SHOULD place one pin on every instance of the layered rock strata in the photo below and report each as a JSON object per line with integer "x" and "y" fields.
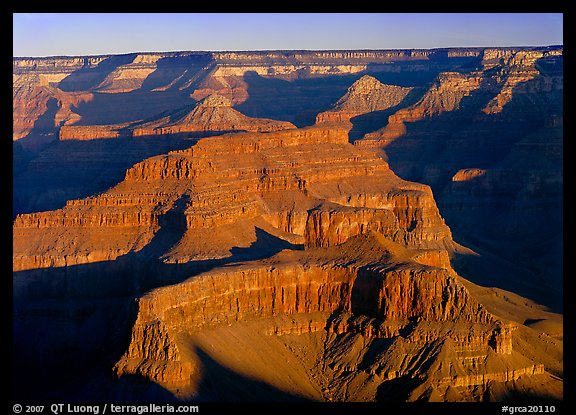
{"x": 503, "y": 73}
{"x": 297, "y": 181}
{"x": 474, "y": 143}
{"x": 357, "y": 299}
{"x": 367, "y": 288}
{"x": 376, "y": 262}
{"x": 150, "y": 76}
{"x": 166, "y": 79}
{"x": 515, "y": 68}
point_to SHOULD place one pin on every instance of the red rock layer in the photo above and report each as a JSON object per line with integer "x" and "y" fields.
{"x": 29, "y": 102}
{"x": 277, "y": 177}
{"x": 388, "y": 296}
{"x": 92, "y": 132}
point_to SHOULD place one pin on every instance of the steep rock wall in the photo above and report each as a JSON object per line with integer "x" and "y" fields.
{"x": 382, "y": 300}
{"x": 280, "y": 176}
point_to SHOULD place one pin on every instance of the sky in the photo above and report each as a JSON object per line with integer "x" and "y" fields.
{"x": 69, "y": 34}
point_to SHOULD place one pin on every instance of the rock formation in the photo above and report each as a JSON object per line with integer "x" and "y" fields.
{"x": 365, "y": 95}
{"x": 206, "y": 222}
{"x": 444, "y": 95}
{"x": 515, "y": 68}
{"x": 500, "y": 75}
{"x": 306, "y": 180}
{"x": 213, "y": 113}
{"x": 375, "y": 265}
{"x": 380, "y": 300}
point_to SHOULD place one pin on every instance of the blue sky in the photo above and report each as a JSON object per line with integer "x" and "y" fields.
{"x": 56, "y": 34}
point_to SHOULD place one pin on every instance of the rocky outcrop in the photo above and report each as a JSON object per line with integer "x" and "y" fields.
{"x": 342, "y": 297}
{"x": 464, "y": 175}
{"x": 480, "y": 158}
{"x": 409, "y": 222}
{"x": 212, "y": 113}
{"x": 92, "y": 132}
{"x": 80, "y": 235}
{"x": 504, "y": 71}
{"x": 87, "y": 218}
{"x": 29, "y": 102}
{"x": 516, "y": 68}
{"x": 493, "y": 57}
{"x": 365, "y": 95}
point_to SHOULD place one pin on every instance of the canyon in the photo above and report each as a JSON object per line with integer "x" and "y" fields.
{"x": 289, "y": 226}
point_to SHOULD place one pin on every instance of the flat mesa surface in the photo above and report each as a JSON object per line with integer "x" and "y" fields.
{"x": 279, "y": 226}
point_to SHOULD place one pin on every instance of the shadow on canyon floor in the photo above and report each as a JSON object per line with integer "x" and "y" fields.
{"x": 221, "y": 384}
{"x": 87, "y": 78}
{"x": 166, "y": 88}
{"x": 524, "y": 397}
{"x": 297, "y": 101}
{"x": 47, "y": 172}
{"x": 178, "y": 72}
{"x": 217, "y": 383}
{"x": 123, "y": 107}
{"x": 137, "y": 272}
{"x": 468, "y": 137}
{"x": 493, "y": 270}
{"x": 300, "y": 100}
{"x": 42, "y": 134}
{"x": 74, "y": 169}
{"x": 397, "y": 390}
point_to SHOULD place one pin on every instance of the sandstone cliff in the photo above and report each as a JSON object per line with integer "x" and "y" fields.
{"x": 368, "y": 292}
{"x": 277, "y": 177}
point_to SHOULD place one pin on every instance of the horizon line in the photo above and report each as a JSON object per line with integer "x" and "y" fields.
{"x": 289, "y": 50}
